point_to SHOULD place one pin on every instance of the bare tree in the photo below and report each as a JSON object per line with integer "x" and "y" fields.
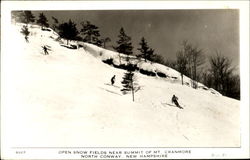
{"x": 221, "y": 76}
{"x": 197, "y": 59}
{"x": 194, "y": 58}
{"x": 170, "y": 63}
{"x": 186, "y": 50}
{"x": 181, "y": 63}
{"x": 104, "y": 41}
{"x": 221, "y": 71}
{"x": 157, "y": 59}
{"x": 233, "y": 86}
{"x": 55, "y": 24}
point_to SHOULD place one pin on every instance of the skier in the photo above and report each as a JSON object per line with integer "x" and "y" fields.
{"x": 113, "y": 80}
{"x": 26, "y": 38}
{"x": 45, "y": 49}
{"x": 175, "y": 101}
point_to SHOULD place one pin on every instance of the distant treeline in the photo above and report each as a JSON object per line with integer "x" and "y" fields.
{"x": 189, "y": 61}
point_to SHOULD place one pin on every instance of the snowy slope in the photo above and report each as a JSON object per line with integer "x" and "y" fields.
{"x": 64, "y": 99}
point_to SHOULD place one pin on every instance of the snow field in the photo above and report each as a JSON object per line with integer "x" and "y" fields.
{"x": 64, "y": 99}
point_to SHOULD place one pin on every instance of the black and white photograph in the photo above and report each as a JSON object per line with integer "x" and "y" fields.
{"x": 122, "y": 78}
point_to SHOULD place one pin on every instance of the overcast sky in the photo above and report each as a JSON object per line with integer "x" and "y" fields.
{"x": 164, "y": 30}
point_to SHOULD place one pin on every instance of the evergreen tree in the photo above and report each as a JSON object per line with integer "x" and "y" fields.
{"x": 27, "y": 17}
{"x": 128, "y": 83}
{"x": 42, "y": 20}
{"x": 91, "y": 33}
{"x": 68, "y": 31}
{"x": 146, "y": 52}
{"x": 25, "y": 32}
{"x": 124, "y": 44}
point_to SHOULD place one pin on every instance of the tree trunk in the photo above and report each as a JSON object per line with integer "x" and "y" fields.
{"x": 132, "y": 90}
{"x": 104, "y": 44}
{"x": 195, "y": 74}
{"x": 182, "y": 79}
{"x": 119, "y": 58}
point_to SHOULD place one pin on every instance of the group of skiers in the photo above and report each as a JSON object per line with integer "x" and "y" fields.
{"x": 174, "y": 98}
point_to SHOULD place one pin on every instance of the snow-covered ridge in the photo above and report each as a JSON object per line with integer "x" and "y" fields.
{"x": 65, "y": 99}
{"x": 118, "y": 59}
{"x": 168, "y": 73}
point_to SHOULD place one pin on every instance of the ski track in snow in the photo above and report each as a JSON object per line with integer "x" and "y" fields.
{"x": 65, "y": 99}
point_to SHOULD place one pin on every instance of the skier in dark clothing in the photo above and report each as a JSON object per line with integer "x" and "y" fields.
{"x": 26, "y": 38}
{"x": 175, "y": 101}
{"x": 45, "y": 49}
{"x": 113, "y": 80}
